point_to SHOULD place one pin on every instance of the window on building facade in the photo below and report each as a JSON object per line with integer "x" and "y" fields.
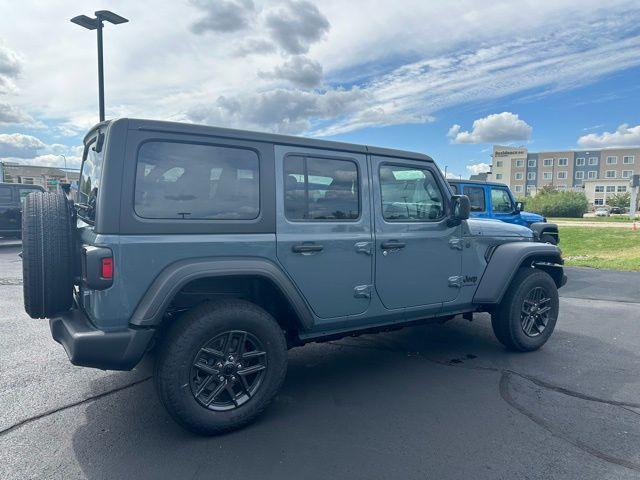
{"x": 531, "y": 176}
{"x": 629, "y": 159}
{"x": 519, "y": 163}
{"x": 531, "y": 163}
{"x": 579, "y": 175}
{"x": 518, "y": 188}
{"x": 499, "y": 163}
{"x": 593, "y": 160}
{"x": 579, "y": 162}
{"x": 627, "y": 173}
{"x": 563, "y": 162}
{"x": 598, "y": 201}
{"x": 621, "y": 188}
{"x": 548, "y": 162}
{"x": 613, "y": 160}
{"x": 519, "y": 176}
{"x": 599, "y": 188}
{"x": 562, "y": 175}
{"x": 530, "y": 188}
{"x": 498, "y": 176}
{"x": 592, "y": 174}
{"x": 611, "y": 188}
{"x": 27, "y": 180}
{"x": 547, "y": 176}
{"x": 610, "y": 174}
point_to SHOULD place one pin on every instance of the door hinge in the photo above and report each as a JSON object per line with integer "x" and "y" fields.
{"x": 456, "y": 243}
{"x": 456, "y": 281}
{"x": 362, "y": 291}
{"x": 363, "y": 247}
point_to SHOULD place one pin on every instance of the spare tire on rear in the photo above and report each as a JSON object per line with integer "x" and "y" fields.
{"x": 47, "y": 254}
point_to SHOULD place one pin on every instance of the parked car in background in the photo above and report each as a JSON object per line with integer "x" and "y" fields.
{"x": 11, "y": 197}
{"x": 602, "y": 212}
{"x": 223, "y": 248}
{"x": 616, "y": 211}
{"x": 495, "y": 201}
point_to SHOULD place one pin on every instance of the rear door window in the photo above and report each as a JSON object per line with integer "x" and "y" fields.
{"x": 476, "y": 198}
{"x": 5, "y": 195}
{"x": 196, "y": 182}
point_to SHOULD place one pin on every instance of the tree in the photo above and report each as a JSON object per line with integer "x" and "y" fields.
{"x": 551, "y": 203}
{"x": 620, "y": 200}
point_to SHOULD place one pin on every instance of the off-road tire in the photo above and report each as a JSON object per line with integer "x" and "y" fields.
{"x": 506, "y": 319}
{"x": 47, "y": 254}
{"x": 183, "y": 340}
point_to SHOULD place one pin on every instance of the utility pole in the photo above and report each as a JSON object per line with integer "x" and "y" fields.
{"x": 97, "y": 24}
{"x": 635, "y": 186}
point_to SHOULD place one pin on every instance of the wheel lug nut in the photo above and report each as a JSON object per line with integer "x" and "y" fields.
{"x": 239, "y": 366}
{"x": 233, "y": 379}
{"x": 221, "y": 378}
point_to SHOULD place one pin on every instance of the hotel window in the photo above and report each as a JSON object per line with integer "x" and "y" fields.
{"x": 547, "y": 176}
{"x": 611, "y": 188}
{"x": 593, "y": 160}
{"x": 612, "y": 160}
{"x": 518, "y": 188}
{"x": 599, "y": 188}
{"x": 499, "y": 164}
{"x": 621, "y": 188}
{"x": 598, "y": 201}
{"x": 627, "y": 173}
{"x": 27, "y": 180}
{"x": 563, "y": 162}
{"x": 563, "y": 175}
{"x": 519, "y": 176}
{"x": 548, "y": 162}
{"x": 498, "y": 176}
{"x": 629, "y": 159}
{"x": 591, "y": 174}
{"x": 531, "y": 175}
{"x": 610, "y": 174}
{"x": 519, "y": 163}
{"x": 530, "y": 188}
{"x": 531, "y": 163}
{"x": 579, "y": 175}
{"x": 579, "y": 162}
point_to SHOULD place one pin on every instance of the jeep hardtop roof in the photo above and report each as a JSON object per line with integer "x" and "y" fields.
{"x": 478, "y": 182}
{"x": 208, "y": 131}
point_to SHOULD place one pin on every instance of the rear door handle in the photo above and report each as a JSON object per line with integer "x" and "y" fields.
{"x": 307, "y": 248}
{"x": 392, "y": 244}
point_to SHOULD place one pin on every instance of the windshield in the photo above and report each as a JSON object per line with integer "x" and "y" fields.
{"x": 89, "y": 183}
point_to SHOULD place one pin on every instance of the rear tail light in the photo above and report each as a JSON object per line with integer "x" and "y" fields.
{"x": 107, "y": 269}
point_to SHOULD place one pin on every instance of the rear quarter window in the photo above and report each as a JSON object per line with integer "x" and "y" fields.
{"x": 5, "y": 195}
{"x": 188, "y": 181}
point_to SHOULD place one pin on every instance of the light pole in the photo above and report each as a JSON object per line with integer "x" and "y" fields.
{"x": 66, "y": 176}
{"x": 97, "y": 24}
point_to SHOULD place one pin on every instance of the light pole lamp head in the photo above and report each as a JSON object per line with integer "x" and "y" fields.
{"x": 110, "y": 17}
{"x": 86, "y": 22}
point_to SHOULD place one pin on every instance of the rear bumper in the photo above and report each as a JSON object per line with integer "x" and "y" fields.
{"x": 88, "y": 346}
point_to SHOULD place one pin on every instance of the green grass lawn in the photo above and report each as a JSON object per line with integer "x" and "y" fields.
{"x": 612, "y": 248}
{"x": 591, "y": 219}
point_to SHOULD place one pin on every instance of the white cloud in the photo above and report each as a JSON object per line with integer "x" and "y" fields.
{"x": 299, "y": 70}
{"x": 295, "y": 25}
{"x": 495, "y": 128}
{"x": 11, "y": 115}
{"x": 19, "y": 145}
{"x": 223, "y": 15}
{"x": 624, "y": 136}
{"x": 10, "y": 68}
{"x": 476, "y": 168}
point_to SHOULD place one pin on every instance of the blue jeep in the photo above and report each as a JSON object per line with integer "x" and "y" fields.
{"x": 222, "y": 248}
{"x": 495, "y": 201}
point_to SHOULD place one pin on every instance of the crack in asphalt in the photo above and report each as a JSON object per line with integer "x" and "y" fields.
{"x": 505, "y": 375}
{"x": 71, "y": 405}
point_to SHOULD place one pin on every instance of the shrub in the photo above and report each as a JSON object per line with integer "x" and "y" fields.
{"x": 551, "y": 203}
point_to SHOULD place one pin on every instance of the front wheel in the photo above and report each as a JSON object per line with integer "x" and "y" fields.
{"x": 220, "y": 365}
{"x": 527, "y": 315}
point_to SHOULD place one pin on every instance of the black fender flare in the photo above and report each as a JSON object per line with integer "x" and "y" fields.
{"x": 544, "y": 228}
{"x": 151, "y": 308}
{"x": 505, "y": 262}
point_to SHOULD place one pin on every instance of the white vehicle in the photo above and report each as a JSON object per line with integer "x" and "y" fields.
{"x": 602, "y": 212}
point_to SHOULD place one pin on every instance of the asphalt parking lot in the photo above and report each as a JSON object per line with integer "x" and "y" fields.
{"x": 442, "y": 401}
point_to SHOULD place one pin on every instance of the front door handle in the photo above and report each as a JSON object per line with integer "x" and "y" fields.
{"x": 307, "y": 248}
{"x": 392, "y": 245}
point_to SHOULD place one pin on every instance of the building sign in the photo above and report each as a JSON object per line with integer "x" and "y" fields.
{"x": 508, "y": 153}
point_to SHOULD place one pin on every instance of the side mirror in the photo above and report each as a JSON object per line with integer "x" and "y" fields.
{"x": 461, "y": 207}
{"x": 519, "y": 206}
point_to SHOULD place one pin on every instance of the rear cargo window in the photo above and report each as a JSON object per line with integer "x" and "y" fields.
{"x": 196, "y": 182}
{"x": 90, "y": 177}
{"x": 5, "y": 195}
{"x": 476, "y": 198}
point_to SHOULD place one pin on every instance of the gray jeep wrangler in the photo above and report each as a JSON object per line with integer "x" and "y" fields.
{"x": 222, "y": 248}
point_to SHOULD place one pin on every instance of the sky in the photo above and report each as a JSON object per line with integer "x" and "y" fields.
{"x": 445, "y": 78}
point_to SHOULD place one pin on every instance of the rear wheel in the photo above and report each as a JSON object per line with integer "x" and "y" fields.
{"x": 220, "y": 365}
{"x": 527, "y": 315}
{"x": 47, "y": 254}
